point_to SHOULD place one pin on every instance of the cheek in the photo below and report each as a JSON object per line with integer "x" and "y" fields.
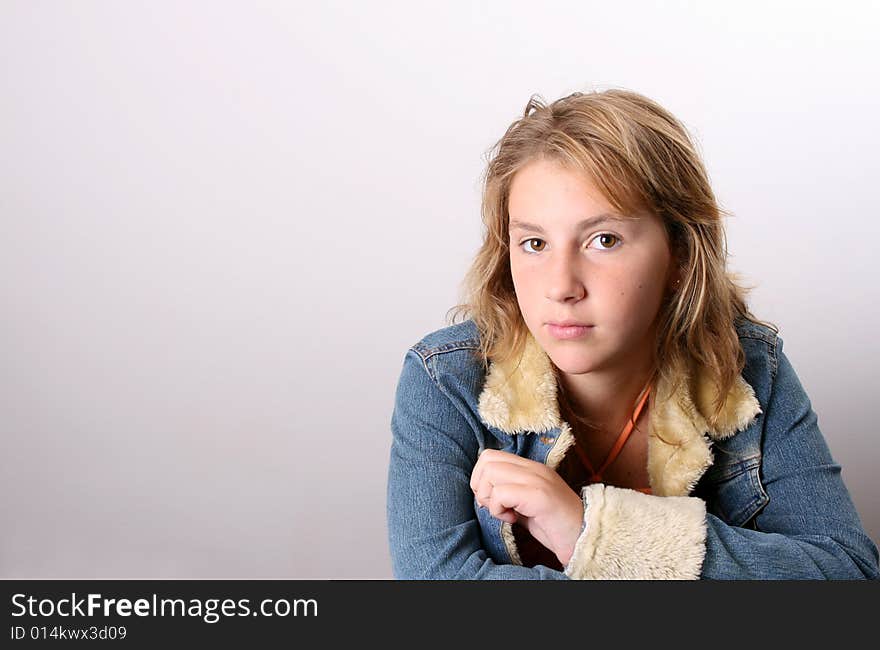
{"x": 650, "y": 296}
{"x": 523, "y": 289}
{"x": 522, "y": 281}
{"x": 526, "y": 292}
{"x": 636, "y": 299}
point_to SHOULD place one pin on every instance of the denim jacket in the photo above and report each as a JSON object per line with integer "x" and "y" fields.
{"x": 758, "y": 497}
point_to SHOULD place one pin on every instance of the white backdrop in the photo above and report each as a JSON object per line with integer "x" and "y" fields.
{"x": 223, "y": 223}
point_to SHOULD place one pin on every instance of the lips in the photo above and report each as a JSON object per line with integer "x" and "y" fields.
{"x": 568, "y": 330}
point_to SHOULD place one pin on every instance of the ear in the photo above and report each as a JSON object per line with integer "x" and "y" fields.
{"x": 675, "y": 278}
{"x": 675, "y": 274}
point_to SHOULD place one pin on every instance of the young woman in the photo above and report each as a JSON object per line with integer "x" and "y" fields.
{"x": 609, "y": 408}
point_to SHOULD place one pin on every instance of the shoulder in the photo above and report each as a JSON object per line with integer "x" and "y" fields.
{"x": 462, "y": 336}
{"x": 737, "y": 453}
{"x": 449, "y": 358}
{"x": 747, "y": 329}
{"x": 776, "y": 386}
{"x": 761, "y": 345}
{"x": 441, "y": 379}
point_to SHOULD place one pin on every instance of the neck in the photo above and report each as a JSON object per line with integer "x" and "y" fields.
{"x": 606, "y": 398}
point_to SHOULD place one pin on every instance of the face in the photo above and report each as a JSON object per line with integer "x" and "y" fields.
{"x": 571, "y": 260}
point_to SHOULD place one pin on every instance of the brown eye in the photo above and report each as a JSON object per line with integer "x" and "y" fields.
{"x": 537, "y": 249}
{"x": 607, "y": 241}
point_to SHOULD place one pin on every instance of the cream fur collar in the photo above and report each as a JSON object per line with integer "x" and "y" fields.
{"x": 520, "y": 397}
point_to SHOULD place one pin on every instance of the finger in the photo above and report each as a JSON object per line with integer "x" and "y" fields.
{"x": 485, "y": 456}
{"x": 510, "y": 496}
{"x": 509, "y": 516}
{"x": 495, "y": 457}
{"x": 475, "y": 472}
{"x": 484, "y": 493}
{"x": 499, "y": 473}
{"x": 498, "y": 454}
{"x": 495, "y": 474}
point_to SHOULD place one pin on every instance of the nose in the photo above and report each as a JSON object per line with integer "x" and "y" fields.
{"x": 563, "y": 278}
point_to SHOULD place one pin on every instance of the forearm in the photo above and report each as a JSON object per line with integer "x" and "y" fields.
{"x": 630, "y": 535}
{"x": 734, "y": 553}
{"x": 633, "y": 536}
{"x": 476, "y": 566}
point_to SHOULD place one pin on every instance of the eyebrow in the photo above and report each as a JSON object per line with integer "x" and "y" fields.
{"x": 581, "y": 225}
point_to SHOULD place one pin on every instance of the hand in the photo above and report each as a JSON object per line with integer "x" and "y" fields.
{"x": 517, "y": 489}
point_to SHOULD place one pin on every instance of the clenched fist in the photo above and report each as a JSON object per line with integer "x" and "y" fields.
{"x": 516, "y": 489}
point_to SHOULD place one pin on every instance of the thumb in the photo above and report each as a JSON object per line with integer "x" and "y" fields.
{"x": 509, "y": 515}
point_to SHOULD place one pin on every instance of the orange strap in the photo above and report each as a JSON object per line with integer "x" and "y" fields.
{"x": 621, "y": 441}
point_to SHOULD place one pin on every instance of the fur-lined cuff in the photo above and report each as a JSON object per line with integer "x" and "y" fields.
{"x": 634, "y": 536}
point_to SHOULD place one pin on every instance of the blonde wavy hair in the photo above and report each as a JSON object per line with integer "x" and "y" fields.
{"x": 641, "y": 158}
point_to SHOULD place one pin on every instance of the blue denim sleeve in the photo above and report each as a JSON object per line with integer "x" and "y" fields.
{"x": 809, "y": 528}
{"x": 433, "y": 530}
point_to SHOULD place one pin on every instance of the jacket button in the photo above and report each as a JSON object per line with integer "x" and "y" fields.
{"x": 547, "y": 439}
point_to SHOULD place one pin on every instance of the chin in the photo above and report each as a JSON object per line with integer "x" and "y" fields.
{"x": 573, "y": 362}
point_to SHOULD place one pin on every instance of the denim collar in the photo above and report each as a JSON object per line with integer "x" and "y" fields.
{"x": 519, "y": 397}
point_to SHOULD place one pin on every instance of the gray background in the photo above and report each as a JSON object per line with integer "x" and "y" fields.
{"x": 223, "y": 223}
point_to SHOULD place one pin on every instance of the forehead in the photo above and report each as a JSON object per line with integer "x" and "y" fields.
{"x": 545, "y": 192}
